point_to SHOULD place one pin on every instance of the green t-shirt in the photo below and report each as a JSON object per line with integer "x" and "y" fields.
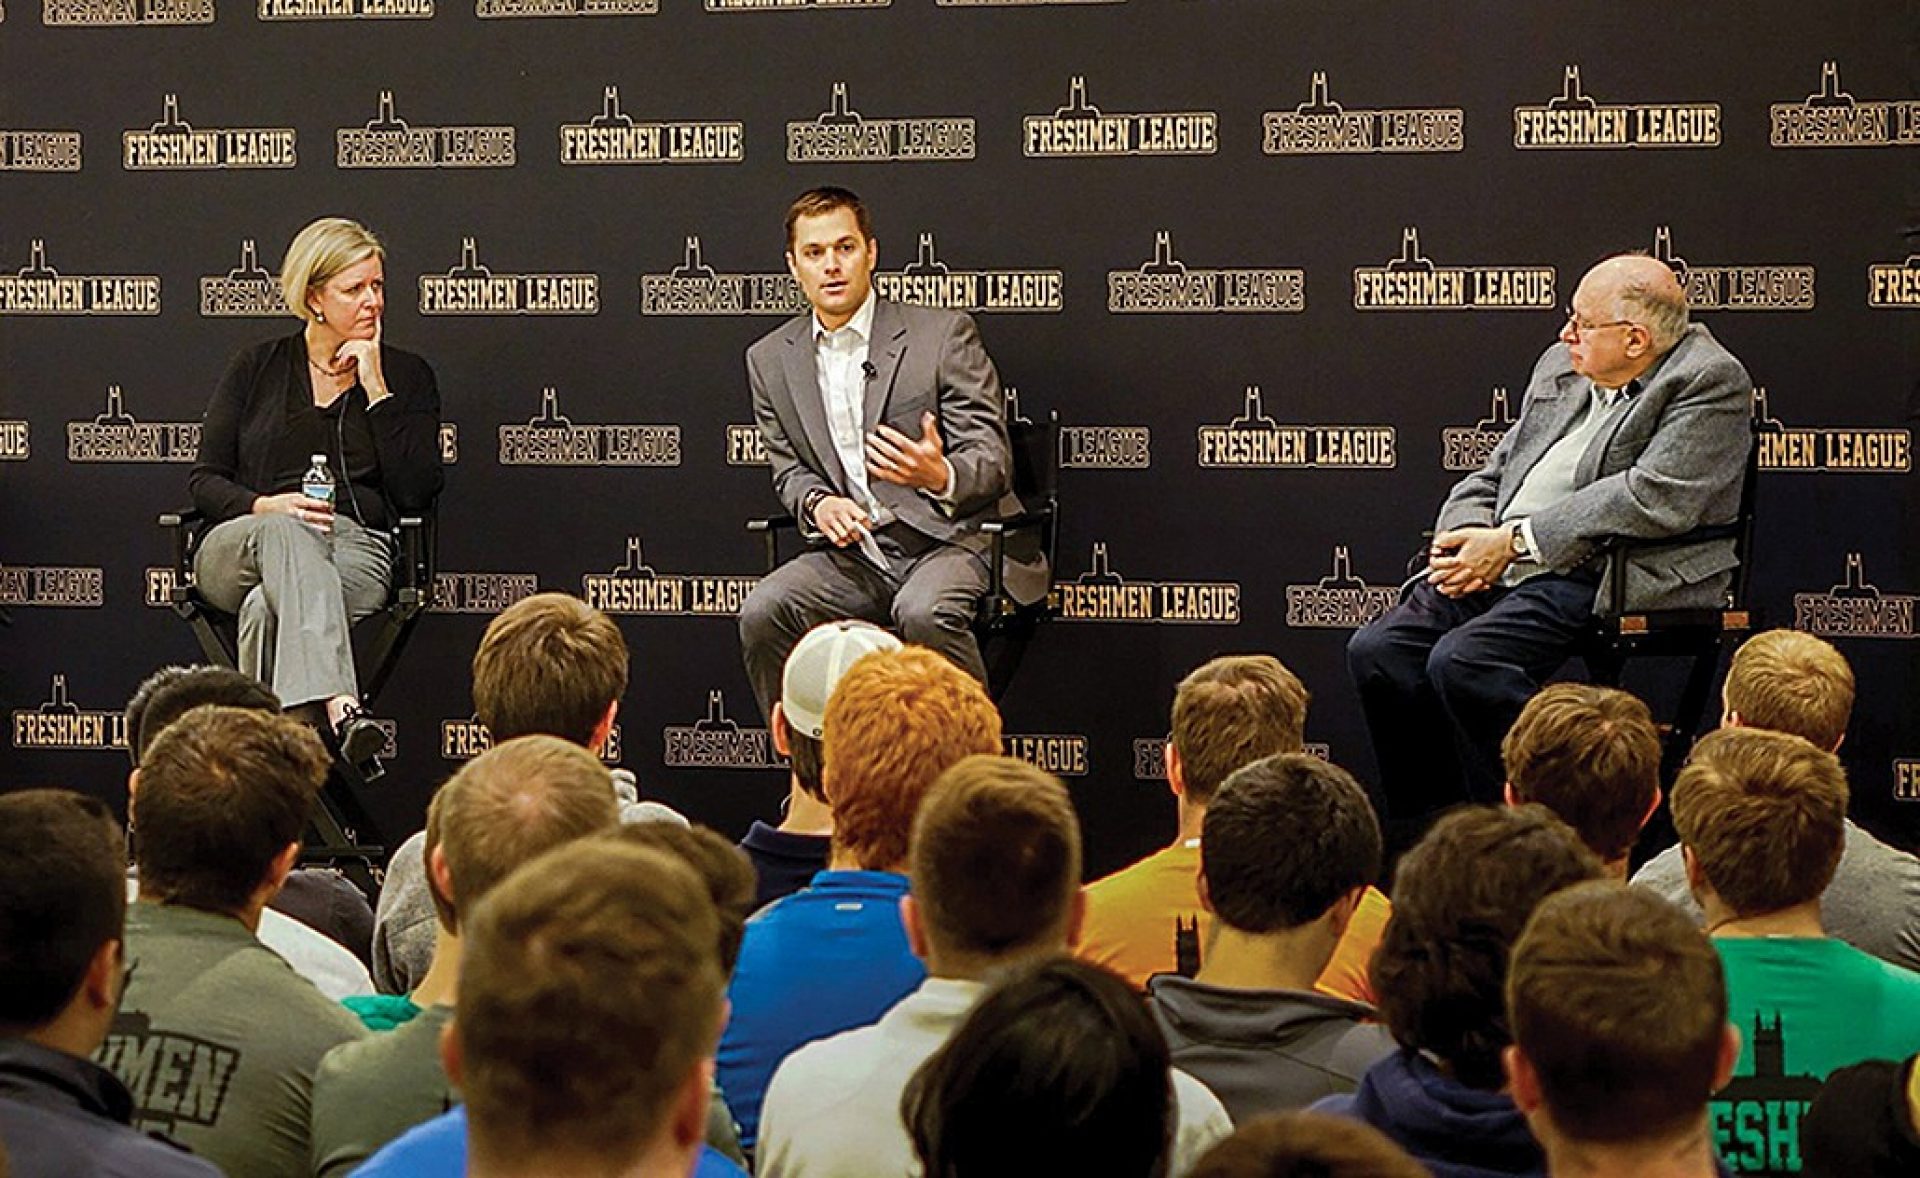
{"x": 218, "y": 1038}
{"x": 1805, "y": 1007}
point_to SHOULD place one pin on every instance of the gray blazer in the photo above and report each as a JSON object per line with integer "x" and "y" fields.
{"x": 923, "y": 360}
{"x": 1672, "y": 462}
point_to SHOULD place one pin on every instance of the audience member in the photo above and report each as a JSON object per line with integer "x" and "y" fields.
{"x": 1762, "y": 822}
{"x": 785, "y": 858}
{"x": 1145, "y": 919}
{"x": 1865, "y": 1123}
{"x": 316, "y": 918}
{"x": 728, "y": 875}
{"x": 217, "y": 1037}
{"x": 548, "y": 665}
{"x": 63, "y": 911}
{"x": 1791, "y": 681}
{"x": 1619, "y": 1017}
{"x": 504, "y": 808}
{"x": 833, "y": 955}
{"x": 1289, "y": 846}
{"x": 590, "y": 998}
{"x": 995, "y": 863}
{"x": 1058, "y": 1069}
{"x": 1592, "y": 756}
{"x": 1307, "y": 1145}
{"x": 1463, "y": 893}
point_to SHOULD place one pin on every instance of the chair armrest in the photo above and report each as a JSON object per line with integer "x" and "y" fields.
{"x": 183, "y": 526}
{"x": 1015, "y": 523}
{"x": 415, "y": 583}
{"x": 772, "y": 523}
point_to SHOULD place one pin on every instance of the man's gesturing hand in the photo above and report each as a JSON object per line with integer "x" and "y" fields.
{"x": 840, "y": 519}
{"x": 893, "y": 456}
{"x": 1467, "y": 560}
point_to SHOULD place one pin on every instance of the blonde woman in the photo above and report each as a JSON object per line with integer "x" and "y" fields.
{"x": 297, "y": 570}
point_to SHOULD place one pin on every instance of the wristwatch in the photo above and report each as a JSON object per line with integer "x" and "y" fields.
{"x": 1519, "y": 541}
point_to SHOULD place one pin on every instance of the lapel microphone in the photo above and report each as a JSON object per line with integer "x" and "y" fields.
{"x": 872, "y": 373}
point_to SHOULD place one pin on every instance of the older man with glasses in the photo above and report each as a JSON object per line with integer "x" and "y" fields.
{"x": 1634, "y": 425}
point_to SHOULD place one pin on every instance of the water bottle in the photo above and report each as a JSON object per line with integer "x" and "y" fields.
{"x": 317, "y": 483}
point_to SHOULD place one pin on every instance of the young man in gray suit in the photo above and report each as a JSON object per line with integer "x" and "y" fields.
{"x": 883, "y": 426}
{"x": 1635, "y": 425}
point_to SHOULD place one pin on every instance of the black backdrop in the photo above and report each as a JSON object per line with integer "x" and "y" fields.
{"x": 1776, "y": 222}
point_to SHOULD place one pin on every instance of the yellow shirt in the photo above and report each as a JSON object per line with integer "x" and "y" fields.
{"x": 1146, "y": 919}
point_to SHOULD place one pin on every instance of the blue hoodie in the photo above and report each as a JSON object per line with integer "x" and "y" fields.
{"x": 1453, "y": 1130}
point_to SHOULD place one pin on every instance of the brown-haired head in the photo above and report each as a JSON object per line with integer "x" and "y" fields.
{"x": 1232, "y": 711}
{"x": 1791, "y": 681}
{"x": 723, "y": 867}
{"x": 223, "y": 793}
{"x": 510, "y": 804}
{"x": 995, "y": 862}
{"x": 1618, "y": 1005}
{"x": 1462, "y": 895}
{"x": 1592, "y": 756}
{"x": 548, "y": 664}
{"x": 897, "y": 720}
{"x": 1764, "y": 816}
{"x": 1307, "y": 1145}
{"x": 817, "y": 202}
{"x": 549, "y": 1023}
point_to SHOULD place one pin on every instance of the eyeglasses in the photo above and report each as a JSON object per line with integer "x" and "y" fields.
{"x": 1580, "y": 327}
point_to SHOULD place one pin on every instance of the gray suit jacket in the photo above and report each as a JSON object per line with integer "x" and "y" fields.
{"x": 1672, "y": 462}
{"x": 923, "y": 360}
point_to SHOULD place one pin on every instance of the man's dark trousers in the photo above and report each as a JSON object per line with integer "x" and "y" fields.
{"x": 1441, "y": 680}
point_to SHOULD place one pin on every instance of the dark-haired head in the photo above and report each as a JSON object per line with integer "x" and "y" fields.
{"x": 1462, "y": 896}
{"x": 63, "y": 896}
{"x": 172, "y": 692}
{"x": 1058, "y": 1070}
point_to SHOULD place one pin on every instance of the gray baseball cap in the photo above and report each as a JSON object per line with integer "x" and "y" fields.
{"x": 814, "y": 668}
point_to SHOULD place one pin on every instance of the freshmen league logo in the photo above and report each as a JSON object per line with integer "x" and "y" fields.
{"x": 449, "y": 443}
{"x": 39, "y": 289}
{"x": 695, "y": 288}
{"x": 1079, "y": 129}
{"x": 841, "y": 134}
{"x": 1321, "y": 126}
{"x": 345, "y": 9}
{"x": 1150, "y": 756}
{"x": 1465, "y": 448}
{"x": 1573, "y": 120}
{"x": 172, "y": 145}
{"x": 637, "y": 589}
{"x": 1102, "y": 595}
{"x": 472, "y": 289}
{"x": 246, "y": 291}
{"x": 1894, "y": 284}
{"x": 1164, "y": 285}
{"x": 929, "y": 282}
{"x": 1831, "y": 451}
{"x": 1059, "y": 753}
{"x": 1255, "y": 441}
{"x": 126, "y": 12}
{"x": 463, "y": 740}
{"x": 789, "y": 5}
{"x": 59, "y": 723}
{"x": 1855, "y": 608}
{"x": 16, "y": 440}
{"x": 1737, "y": 288}
{"x": 39, "y": 151}
{"x": 554, "y": 440}
{"x": 716, "y": 742}
{"x": 115, "y": 436}
{"x": 388, "y": 141}
{"x": 480, "y": 593}
{"x": 612, "y": 137}
{"x": 1411, "y": 282}
{"x": 1906, "y": 780}
{"x": 1106, "y": 447}
{"x": 746, "y": 446}
{"x": 1339, "y": 600}
{"x": 54, "y": 586}
{"x": 1834, "y": 118}
{"x": 506, "y": 9}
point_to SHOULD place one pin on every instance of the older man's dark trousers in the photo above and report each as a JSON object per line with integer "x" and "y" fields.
{"x": 1441, "y": 680}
